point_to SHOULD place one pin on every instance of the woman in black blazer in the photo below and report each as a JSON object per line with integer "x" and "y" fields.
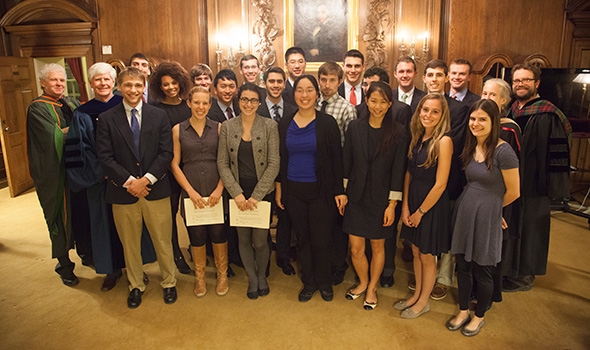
{"x": 374, "y": 167}
{"x": 310, "y": 186}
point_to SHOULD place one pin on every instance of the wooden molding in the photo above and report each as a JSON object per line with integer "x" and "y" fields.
{"x": 380, "y": 21}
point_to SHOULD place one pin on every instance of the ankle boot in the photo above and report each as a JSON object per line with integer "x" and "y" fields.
{"x": 221, "y": 262}
{"x": 200, "y": 260}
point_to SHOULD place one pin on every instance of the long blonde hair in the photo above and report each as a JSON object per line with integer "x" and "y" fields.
{"x": 417, "y": 130}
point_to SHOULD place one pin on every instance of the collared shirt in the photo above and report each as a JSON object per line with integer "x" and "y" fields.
{"x": 224, "y": 108}
{"x": 409, "y": 95}
{"x": 341, "y": 110}
{"x": 459, "y": 95}
{"x": 357, "y": 92}
{"x": 270, "y": 104}
{"x": 138, "y": 114}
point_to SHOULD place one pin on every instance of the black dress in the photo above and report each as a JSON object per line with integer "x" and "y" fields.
{"x": 433, "y": 235}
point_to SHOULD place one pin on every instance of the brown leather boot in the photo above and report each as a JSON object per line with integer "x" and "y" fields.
{"x": 220, "y": 253}
{"x": 200, "y": 260}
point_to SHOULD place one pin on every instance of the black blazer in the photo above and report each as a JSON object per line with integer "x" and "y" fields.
{"x": 118, "y": 158}
{"x": 215, "y": 113}
{"x": 288, "y": 110}
{"x": 342, "y": 90}
{"x": 400, "y": 112}
{"x": 418, "y": 94}
{"x": 289, "y": 93}
{"x": 387, "y": 169}
{"x": 328, "y": 156}
{"x": 459, "y": 121}
{"x": 470, "y": 98}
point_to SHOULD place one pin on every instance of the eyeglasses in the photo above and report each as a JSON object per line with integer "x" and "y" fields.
{"x": 246, "y": 100}
{"x": 522, "y": 81}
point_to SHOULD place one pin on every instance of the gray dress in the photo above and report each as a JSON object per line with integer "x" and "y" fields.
{"x": 477, "y": 218}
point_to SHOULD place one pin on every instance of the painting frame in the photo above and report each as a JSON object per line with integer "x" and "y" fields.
{"x": 352, "y": 26}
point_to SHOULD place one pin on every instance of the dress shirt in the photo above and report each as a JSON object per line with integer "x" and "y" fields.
{"x": 340, "y": 109}
{"x": 459, "y": 95}
{"x": 357, "y": 92}
{"x": 224, "y": 108}
{"x": 409, "y": 95}
{"x": 138, "y": 113}
{"x": 271, "y": 110}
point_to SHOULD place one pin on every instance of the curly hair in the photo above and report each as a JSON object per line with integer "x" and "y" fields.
{"x": 175, "y": 71}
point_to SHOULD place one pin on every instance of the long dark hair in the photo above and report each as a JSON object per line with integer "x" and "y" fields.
{"x": 489, "y": 146}
{"x": 388, "y": 126}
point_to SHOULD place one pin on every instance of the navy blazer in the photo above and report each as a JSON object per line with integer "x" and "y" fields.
{"x": 387, "y": 169}
{"x": 470, "y": 98}
{"x": 418, "y": 94}
{"x": 342, "y": 92}
{"x": 215, "y": 113}
{"x": 288, "y": 109}
{"x": 328, "y": 156}
{"x": 118, "y": 157}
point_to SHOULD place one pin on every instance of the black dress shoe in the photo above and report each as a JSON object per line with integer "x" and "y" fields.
{"x": 170, "y": 295}
{"x": 134, "y": 299}
{"x": 230, "y": 272}
{"x": 327, "y": 295}
{"x": 110, "y": 281}
{"x": 264, "y": 291}
{"x": 182, "y": 266}
{"x": 337, "y": 278}
{"x": 288, "y": 269}
{"x": 386, "y": 281}
{"x": 146, "y": 279}
{"x": 70, "y": 280}
{"x": 306, "y": 293}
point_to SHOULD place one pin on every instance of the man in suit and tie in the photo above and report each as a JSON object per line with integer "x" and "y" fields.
{"x": 275, "y": 107}
{"x": 401, "y": 113}
{"x": 435, "y": 77}
{"x": 351, "y": 89}
{"x": 295, "y": 64}
{"x": 406, "y": 92}
{"x": 141, "y": 62}
{"x": 135, "y": 149}
{"x": 459, "y": 77}
{"x": 225, "y": 106}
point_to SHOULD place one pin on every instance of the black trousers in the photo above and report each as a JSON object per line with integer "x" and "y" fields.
{"x": 466, "y": 272}
{"x": 283, "y": 236}
{"x": 312, "y": 216}
{"x": 81, "y": 226}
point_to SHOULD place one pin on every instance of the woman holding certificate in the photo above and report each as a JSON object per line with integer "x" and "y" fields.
{"x": 248, "y": 163}
{"x": 195, "y": 147}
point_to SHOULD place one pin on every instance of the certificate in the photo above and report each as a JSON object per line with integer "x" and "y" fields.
{"x": 257, "y": 218}
{"x": 206, "y": 216}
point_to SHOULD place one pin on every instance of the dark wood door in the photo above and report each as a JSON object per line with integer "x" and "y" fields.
{"x": 17, "y": 90}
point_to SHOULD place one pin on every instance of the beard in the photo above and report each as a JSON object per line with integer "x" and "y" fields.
{"x": 527, "y": 96}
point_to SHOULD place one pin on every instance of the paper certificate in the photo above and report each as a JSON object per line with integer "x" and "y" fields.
{"x": 257, "y": 218}
{"x": 206, "y": 216}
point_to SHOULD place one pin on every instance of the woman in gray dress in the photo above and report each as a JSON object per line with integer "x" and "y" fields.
{"x": 491, "y": 168}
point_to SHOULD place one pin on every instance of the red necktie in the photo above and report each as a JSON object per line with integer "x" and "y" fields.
{"x": 229, "y": 113}
{"x": 352, "y": 97}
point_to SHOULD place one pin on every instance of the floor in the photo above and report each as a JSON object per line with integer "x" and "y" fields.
{"x": 38, "y": 312}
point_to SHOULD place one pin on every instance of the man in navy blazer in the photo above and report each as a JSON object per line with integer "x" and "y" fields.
{"x": 275, "y": 107}
{"x": 135, "y": 149}
{"x": 459, "y": 78}
{"x": 406, "y": 92}
{"x": 225, "y": 86}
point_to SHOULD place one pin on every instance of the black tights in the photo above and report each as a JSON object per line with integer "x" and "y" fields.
{"x": 466, "y": 271}
{"x": 198, "y": 234}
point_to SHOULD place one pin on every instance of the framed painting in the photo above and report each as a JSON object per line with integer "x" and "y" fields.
{"x": 324, "y": 30}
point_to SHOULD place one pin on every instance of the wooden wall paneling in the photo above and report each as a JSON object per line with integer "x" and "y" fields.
{"x": 161, "y": 29}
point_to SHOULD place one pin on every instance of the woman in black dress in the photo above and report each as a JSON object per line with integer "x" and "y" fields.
{"x": 425, "y": 206}
{"x": 374, "y": 166}
{"x": 170, "y": 83}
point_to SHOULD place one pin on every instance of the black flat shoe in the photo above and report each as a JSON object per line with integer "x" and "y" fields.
{"x": 252, "y": 295}
{"x": 474, "y": 332}
{"x": 134, "y": 299}
{"x": 288, "y": 269}
{"x": 386, "y": 281}
{"x": 110, "y": 281}
{"x": 70, "y": 280}
{"x": 306, "y": 293}
{"x": 170, "y": 295}
{"x": 452, "y": 327}
{"x": 230, "y": 272}
{"x": 182, "y": 266}
{"x": 264, "y": 292}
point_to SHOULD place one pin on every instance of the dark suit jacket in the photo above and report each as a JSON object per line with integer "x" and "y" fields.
{"x": 118, "y": 158}
{"x": 418, "y": 94}
{"x": 288, "y": 110}
{"x": 215, "y": 113}
{"x": 387, "y": 169}
{"x": 470, "y": 98}
{"x": 289, "y": 93}
{"x": 400, "y": 112}
{"x": 328, "y": 156}
{"x": 342, "y": 90}
{"x": 459, "y": 121}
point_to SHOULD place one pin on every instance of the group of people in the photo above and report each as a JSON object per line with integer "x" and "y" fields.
{"x": 341, "y": 157}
